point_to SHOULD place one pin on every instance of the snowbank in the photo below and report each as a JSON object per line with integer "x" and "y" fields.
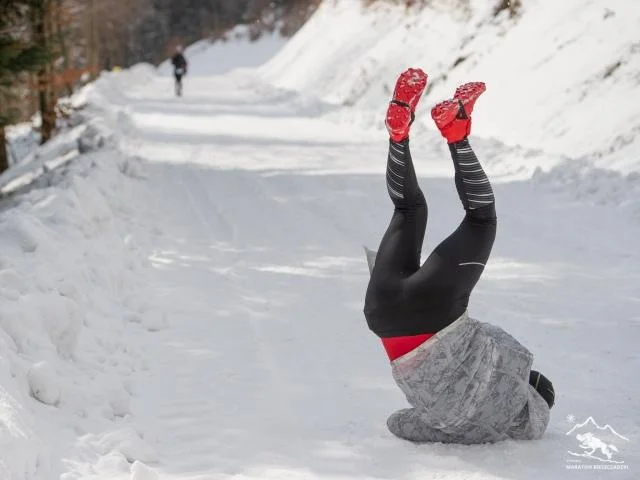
{"x": 235, "y": 50}
{"x": 579, "y": 180}
{"x": 110, "y": 88}
{"x": 562, "y": 76}
{"x": 102, "y": 119}
{"x": 70, "y": 299}
{"x": 21, "y": 139}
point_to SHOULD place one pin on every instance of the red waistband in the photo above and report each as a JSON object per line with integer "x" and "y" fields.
{"x": 398, "y": 346}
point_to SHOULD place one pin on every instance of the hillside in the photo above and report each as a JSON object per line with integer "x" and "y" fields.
{"x": 563, "y": 77}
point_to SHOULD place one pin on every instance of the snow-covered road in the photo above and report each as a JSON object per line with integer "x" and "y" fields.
{"x": 267, "y": 370}
{"x": 205, "y": 321}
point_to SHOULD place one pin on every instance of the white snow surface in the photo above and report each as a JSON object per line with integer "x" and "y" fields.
{"x": 21, "y": 139}
{"x": 184, "y": 299}
{"x": 562, "y": 76}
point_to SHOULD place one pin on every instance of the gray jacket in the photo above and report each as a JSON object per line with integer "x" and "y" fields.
{"x": 469, "y": 383}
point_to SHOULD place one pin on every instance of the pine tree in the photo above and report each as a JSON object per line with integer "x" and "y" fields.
{"x": 17, "y": 56}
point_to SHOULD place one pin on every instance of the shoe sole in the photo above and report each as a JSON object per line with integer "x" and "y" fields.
{"x": 468, "y": 94}
{"x": 410, "y": 86}
{"x": 445, "y": 112}
{"x": 400, "y": 114}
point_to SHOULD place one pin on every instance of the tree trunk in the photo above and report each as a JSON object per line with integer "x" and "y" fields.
{"x": 93, "y": 57}
{"x": 4, "y": 154}
{"x": 64, "y": 51}
{"x": 46, "y": 97}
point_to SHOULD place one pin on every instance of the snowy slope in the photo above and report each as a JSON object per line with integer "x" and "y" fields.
{"x": 562, "y": 76}
{"x": 70, "y": 295}
{"x": 71, "y": 299}
{"x": 185, "y": 302}
{"x": 21, "y": 139}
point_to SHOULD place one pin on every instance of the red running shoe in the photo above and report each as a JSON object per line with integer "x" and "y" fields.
{"x": 401, "y": 112}
{"x": 468, "y": 94}
{"x": 453, "y": 117}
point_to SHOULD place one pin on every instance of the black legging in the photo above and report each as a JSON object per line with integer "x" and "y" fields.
{"x": 404, "y": 298}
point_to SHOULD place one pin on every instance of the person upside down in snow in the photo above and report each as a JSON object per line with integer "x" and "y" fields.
{"x": 466, "y": 381}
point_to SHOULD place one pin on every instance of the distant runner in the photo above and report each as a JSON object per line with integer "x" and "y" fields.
{"x": 467, "y": 381}
{"x": 179, "y": 68}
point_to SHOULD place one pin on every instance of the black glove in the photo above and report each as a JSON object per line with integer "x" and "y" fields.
{"x": 543, "y": 386}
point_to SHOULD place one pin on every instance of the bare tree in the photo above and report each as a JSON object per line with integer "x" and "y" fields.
{"x": 87, "y": 36}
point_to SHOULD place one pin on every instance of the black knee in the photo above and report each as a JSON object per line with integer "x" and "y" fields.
{"x": 485, "y": 215}
{"x": 413, "y": 204}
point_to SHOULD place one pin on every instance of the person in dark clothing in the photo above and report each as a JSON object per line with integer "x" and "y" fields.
{"x": 467, "y": 381}
{"x": 180, "y": 65}
{"x": 404, "y": 298}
